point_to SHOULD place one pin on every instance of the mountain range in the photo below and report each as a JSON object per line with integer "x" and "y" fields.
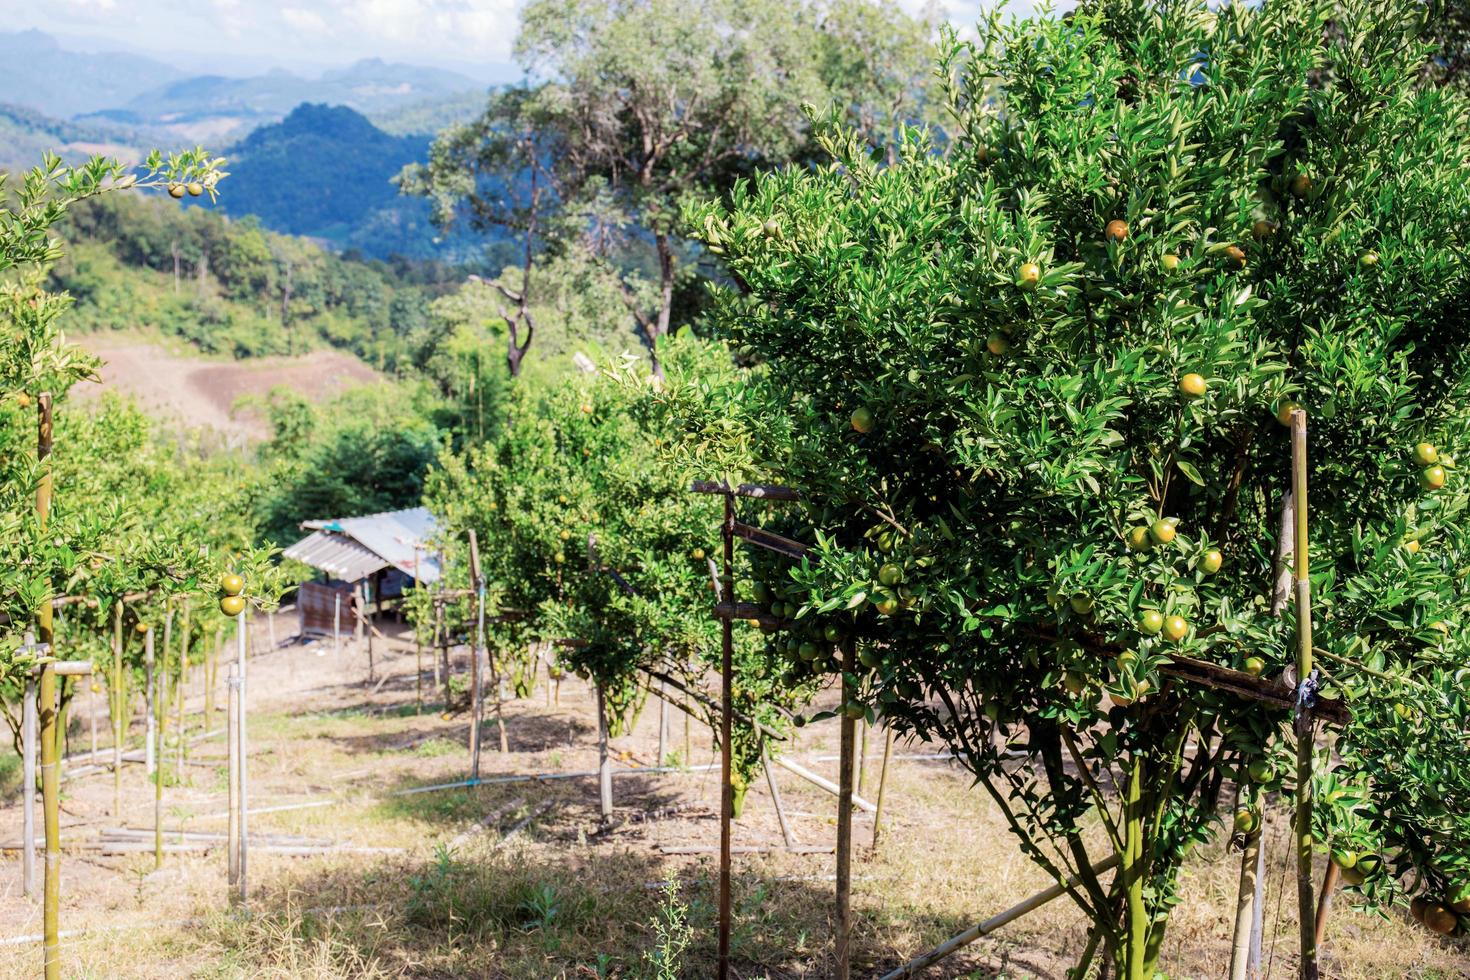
{"x": 307, "y": 156}
{"x": 163, "y": 104}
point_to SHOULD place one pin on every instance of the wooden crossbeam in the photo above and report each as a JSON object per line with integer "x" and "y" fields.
{"x": 771, "y": 541}
{"x": 759, "y": 491}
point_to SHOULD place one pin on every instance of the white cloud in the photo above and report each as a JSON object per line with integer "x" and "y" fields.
{"x": 305, "y": 21}
{"x": 469, "y": 29}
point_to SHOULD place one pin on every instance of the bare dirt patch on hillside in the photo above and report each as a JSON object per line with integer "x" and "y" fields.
{"x": 198, "y": 393}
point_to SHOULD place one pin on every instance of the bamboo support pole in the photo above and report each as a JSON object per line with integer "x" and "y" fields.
{"x": 1250, "y": 903}
{"x": 46, "y": 712}
{"x": 787, "y": 837}
{"x": 1324, "y": 901}
{"x": 154, "y": 704}
{"x": 477, "y": 680}
{"x": 336, "y": 622}
{"x": 418, "y": 671}
{"x": 1304, "y": 724}
{"x": 183, "y": 679}
{"x": 843, "y": 936}
{"x": 29, "y": 734}
{"x": 243, "y": 751}
{"x": 118, "y": 708}
{"x": 920, "y": 963}
{"x": 233, "y": 833}
{"x": 92, "y": 715}
{"x": 862, "y": 756}
{"x": 604, "y": 762}
{"x": 726, "y": 593}
{"x": 150, "y": 730}
{"x": 663, "y": 726}
{"x": 51, "y": 806}
{"x": 882, "y": 785}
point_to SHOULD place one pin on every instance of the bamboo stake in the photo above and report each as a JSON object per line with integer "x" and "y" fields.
{"x": 1250, "y": 903}
{"x": 160, "y": 702}
{"x": 844, "y": 823}
{"x": 786, "y": 835}
{"x": 726, "y": 593}
{"x": 28, "y": 737}
{"x": 46, "y": 716}
{"x": 233, "y": 833}
{"x": 150, "y": 731}
{"x": 477, "y": 697}
{"x": 153, "y": 703}
{"x": 211, "y": 676}
{"x": 441, "y": 650}
{"x": 1247, "y": 903}
{"x": 604, "y": 763}
{"x": 51, "y": 804}
{"x": 663, "y": 725}
{"x": 882, "y": 785}
{"x": 336, "y": 622}
{"x": 117, "y": 708}
{"x": 243, "y": 751}
{"x": 920, "y": 963}
{"x": 862, "y": 755}
{"x": 183, "y": 677}
{"x": 1324, "y": 902}
{"x": 92, "y": 715}
{"x": 418, "y": 652}
{"x": 1304, "y": 724}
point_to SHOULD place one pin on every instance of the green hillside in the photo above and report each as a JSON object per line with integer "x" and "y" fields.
{"x": 26, "y": 135}
{"x": 326, "y": 172}
{"x": 233, "y": 287}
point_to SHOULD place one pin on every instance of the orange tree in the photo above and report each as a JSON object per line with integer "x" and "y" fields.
{"x": 587, "y": 535}
{"x": 1030, "y": 383}
{"x": 35, "y": 358}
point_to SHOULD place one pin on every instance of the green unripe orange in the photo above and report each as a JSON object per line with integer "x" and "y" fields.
{"x": 1425, "y": 454}
{"x": 232, "y": 584}
{"x": 1150, "y": 622}
{"x": 1211, "y": 562}
{"x": 1176, "y": 628}
{"x": 1162, "y": 531}
{"x": 1433, "y": 477}
{"x": 862, "y": 420}
{"x": 232, "y": 605}
{"x": 1255, "y": 666}
{"x": 1028, "y": 275}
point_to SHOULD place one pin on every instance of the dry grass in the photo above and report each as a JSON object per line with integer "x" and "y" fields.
{"x": 560, "y": 900}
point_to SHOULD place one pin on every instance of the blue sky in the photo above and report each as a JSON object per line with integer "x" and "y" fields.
{"x": 248, "y": 36}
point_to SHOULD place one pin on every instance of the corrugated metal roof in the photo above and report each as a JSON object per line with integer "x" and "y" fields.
{"x": 362, "y": 545}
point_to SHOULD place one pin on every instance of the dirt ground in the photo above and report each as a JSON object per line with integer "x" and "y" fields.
{"x": 541, "y": 892}
{"x": 187, "y": 390}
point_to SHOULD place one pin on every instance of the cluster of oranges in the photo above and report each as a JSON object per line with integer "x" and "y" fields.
{"x": 231, "y": 602}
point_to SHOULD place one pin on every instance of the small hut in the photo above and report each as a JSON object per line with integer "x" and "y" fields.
{"x": 363, "y": 560}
